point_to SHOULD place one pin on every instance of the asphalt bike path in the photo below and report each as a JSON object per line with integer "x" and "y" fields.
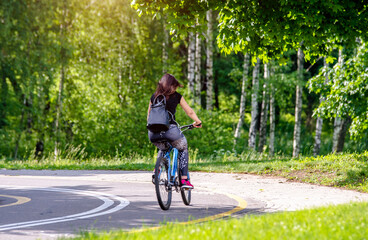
{"x": 49, "y": 204}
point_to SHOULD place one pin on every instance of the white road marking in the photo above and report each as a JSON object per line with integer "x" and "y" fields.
{"x": 108, "y": 200}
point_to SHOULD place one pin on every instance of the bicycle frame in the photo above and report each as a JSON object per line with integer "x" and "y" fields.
{"x": 173, "y": 165}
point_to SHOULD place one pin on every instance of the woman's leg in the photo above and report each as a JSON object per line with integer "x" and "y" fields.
{"x": 182, "y": 146}
{"x": 163, "y": 148}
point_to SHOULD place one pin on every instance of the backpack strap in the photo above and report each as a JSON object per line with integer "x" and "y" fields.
{"x": 156, "y": 98}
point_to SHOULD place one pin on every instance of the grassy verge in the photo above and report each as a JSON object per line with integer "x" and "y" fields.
{"x": 346, "y": 170}
{"x": 334, "y": 222}
{"x": 124, "y": 163}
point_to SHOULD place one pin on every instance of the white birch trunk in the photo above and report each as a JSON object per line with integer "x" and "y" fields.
{"x": 336, "y": 134}
{"x": 59, "y": 104}
{"x": 298, "y": 105}
{"x": 209, "y": 70}
{"x": 317, "y": 138}
{"x": 272, "y": 119}
{"x": 264, "y": 111}
{"x": 338, "y": 121}
{"x": 191, "y": 64}
{"x": 165, "y": 46}
{"x": 197, "y": 95}
{"x": 254, "y": 112}
{"x": 242, "y": 98}
{"x": 319, "y": 123}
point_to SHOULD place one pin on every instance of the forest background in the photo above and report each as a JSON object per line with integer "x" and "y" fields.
{"x": 78, "y": 75}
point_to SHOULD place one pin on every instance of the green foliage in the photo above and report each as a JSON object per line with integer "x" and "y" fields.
{"x": 113, "y": 60}
{"x": 346, "y": 92}
{"x": 269, "y": 28}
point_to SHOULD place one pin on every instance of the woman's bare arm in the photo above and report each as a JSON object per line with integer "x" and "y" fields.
{"x": 189, "y": 111}
{"x": 149, "y": 109}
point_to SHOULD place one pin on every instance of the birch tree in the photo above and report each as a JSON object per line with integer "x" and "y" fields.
{"x": 346, "y": 92}
{"x": 341, "y": 138}
{"x": 338, "y": 123}
{"x": 197, "y": 70}
{"x": 319, "y": 122}
{"x": 254, "y": 112}
{"x": 264, "y": 111}
{"x": 242, "y": 98}
{"x": 272, "y": 116}
{"x": 298, "y": 104}
{"x": 191, "y": 63}
{"x": 165, "y": 46}
{"x": 209, "y": 65}
{"x": 59, "y": 105}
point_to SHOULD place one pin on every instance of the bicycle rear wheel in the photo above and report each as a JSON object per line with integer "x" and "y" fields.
{"x": 162, "y": 186}
{"x": 186, "y": 194}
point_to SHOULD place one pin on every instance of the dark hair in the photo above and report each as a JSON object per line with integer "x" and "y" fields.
{"x": 167, "y": 85}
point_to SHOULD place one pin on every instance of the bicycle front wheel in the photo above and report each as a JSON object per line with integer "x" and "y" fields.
{"x": 162, "y": 185}
{"x": 186, "y": 194}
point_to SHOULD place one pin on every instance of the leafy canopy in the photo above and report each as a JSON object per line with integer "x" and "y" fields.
{"x": 270, "y": 27}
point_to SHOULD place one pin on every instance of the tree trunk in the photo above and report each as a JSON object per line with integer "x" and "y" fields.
{"x": 191, "y": 64}
{"x": 264, "y": 111}
{"x": 59, "y": 109}
{"x": 341, "y": 139}
{"x": 165, "y": 46}
{"x": 336, "y": 134}
{"x": 298, "y": 105}
{"x": 242, "y": 98}
{"x": 317, "y": 138}
{"x": 4, "y": 98}
{"x": 209, "y": 70}
{"x": 319, "y": 123}
{"x": 272, "y": 117}
{"x": 59, "y": 104}
{"x": 254, "y": 112}
{"x": 338, "y": 121}
{"x": 121, "y": 69}
{"x": 197, "y": 96}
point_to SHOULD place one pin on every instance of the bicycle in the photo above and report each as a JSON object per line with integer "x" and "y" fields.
{"x": 168, "y": 177}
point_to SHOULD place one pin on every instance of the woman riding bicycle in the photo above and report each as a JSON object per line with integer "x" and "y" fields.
{"x": 167, "y": 86}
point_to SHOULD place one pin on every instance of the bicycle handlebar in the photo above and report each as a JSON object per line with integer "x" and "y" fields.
{"x": 188, "y": 127}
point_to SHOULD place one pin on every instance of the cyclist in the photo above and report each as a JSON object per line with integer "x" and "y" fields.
{"x": 167, "y": 86}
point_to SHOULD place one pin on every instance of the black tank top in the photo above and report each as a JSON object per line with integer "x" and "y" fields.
{"x": 171, "y": 103}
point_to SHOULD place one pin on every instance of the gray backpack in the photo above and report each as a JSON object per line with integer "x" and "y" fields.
{"x": 158, "y": 118}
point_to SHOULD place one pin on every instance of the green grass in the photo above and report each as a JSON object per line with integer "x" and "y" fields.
{"x": 133, "y": 162}
{"x": 347, "y": 221}
{"x": 346, "y": 170}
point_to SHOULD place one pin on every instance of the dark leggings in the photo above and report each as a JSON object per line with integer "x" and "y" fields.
{"x": 177, "y": 139}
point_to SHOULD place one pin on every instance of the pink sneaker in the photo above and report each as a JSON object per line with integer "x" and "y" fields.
{"x": 186, "y": 184}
